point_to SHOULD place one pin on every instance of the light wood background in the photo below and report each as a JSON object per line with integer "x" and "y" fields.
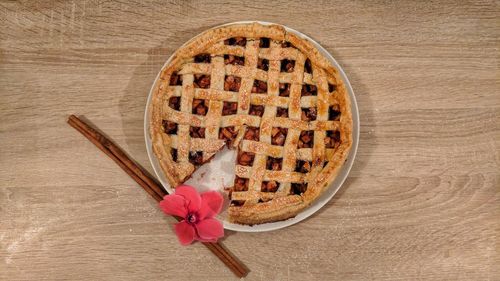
{"x": 422, "y": 201}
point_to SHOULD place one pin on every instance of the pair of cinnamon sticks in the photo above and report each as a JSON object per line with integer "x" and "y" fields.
{"x": 148, "y": 184}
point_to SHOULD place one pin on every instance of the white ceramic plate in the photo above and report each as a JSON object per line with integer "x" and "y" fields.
{"x": 219, "y": 172}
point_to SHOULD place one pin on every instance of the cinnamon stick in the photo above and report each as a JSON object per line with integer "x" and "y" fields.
{"x": 148, "y": 184}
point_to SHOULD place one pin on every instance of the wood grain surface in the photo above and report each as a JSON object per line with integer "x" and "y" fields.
{"x": 422, "y": 201}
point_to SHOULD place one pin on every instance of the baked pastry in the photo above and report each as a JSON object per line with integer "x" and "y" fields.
{"x": 266, "y": 92}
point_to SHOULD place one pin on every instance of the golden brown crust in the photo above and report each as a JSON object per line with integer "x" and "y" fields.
{"x": 259, "y": 207}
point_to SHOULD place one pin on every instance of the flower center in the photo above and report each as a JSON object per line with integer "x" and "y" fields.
{"x": 191, "y": 218}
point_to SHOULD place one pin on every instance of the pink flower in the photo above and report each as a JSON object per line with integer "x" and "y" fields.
{"x": 198, "y": 211}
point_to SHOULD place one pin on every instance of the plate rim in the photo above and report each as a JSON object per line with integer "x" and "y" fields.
{"x": 319, "y": 202}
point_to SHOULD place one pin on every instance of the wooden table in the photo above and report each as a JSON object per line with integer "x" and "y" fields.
{"x": 422, "y": 201}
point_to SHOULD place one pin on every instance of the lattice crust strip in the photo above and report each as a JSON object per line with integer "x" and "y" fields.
{"x": 270, "y": 95}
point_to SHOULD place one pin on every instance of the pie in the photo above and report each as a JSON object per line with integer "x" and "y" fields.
{"x": 265, "y": 92}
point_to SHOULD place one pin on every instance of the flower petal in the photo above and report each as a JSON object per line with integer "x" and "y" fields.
{"x": 211, "y": 204}
{"x": 191, "y": 195}
{"x": 174, "y": 205}
{"x": 209, "y": 229}
{"x": 207, "y": 240}
{"x": 185, "y": 232}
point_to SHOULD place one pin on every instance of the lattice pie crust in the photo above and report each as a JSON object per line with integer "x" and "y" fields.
{"x": 265, "y": 92}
